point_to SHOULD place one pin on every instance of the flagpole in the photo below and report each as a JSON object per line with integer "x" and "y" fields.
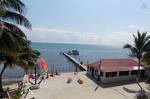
{"x": 35, "y": 75}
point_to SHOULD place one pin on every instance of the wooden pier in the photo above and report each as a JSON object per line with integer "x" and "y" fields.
{"x": 77, "y": 63}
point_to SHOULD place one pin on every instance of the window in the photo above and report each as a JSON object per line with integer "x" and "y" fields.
{"x": 96, "y": 72}
{"x": 108, "y": 74}
{"x": 90, "y": 68}
{"x": 134, "y": 72}
{"x": 123, "y": 73}
{"x": 111, "y": 74}
{"x": 101, "y": 74}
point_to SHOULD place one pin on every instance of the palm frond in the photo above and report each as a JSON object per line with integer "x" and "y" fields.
{"x": 141, "y": 44}
{"x": 27, "y": 59}
{"x": 136, "y": 40}
{"x": 13, "y": 28}
{"x": 146, "y": 47}
{"x": 16, "y": 5}
{"x": 16, "y": 18}
{"x": 146, "y": 58}
{"x": 8, "y": 39}
{"x": 7, "y": 42}
{"x": 127, "y": 46}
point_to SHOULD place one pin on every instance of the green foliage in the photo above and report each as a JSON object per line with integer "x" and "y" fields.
{"x": 16, "y": 5}
{"x": 2, "y": 11}
{"x": 28, "y": 59}
{"x": 141, "y": 45}
{"x": 16, "y": 94}
{"x": 13, "y": 41}
{"x": 11, "y": 10}
{"x": 146, "y": 58}
{"x": 140, "y": 49}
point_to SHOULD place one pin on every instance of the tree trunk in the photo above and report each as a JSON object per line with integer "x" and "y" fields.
{"x": 1, "y": 89}
{"x": 35, "y": 75}
{"x": 1, "y": 86}
{"x": 139, "y": 73}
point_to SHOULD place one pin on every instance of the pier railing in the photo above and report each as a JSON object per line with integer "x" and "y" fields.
{"x": 77, "y": 63}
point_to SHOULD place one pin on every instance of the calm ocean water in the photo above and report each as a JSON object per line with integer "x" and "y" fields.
{"x": 55, "y": 61}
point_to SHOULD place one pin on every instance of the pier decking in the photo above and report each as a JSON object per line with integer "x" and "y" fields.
{"x": 77, "y": 63}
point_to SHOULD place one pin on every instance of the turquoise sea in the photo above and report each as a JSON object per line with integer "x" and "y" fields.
{"x": 55, "y": 61}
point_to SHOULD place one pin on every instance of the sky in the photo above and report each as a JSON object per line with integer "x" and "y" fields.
{"x": 102, "y": 22}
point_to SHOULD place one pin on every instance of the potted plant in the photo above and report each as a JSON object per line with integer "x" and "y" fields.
{"x": 80, "y": 81}
{"x": 69, "y": 80}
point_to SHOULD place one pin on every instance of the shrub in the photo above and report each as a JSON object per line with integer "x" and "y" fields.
{"x": 69, "y": 80}
{"x": 16, "y": 94}
{"x": 80, "y": 81}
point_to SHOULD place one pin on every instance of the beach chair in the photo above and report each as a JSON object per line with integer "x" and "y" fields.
{"x": 24, "y": 86}
{"x": 34, "y": 87}
{"x": 24, "y": 89}
{"x": 28, "y": 89}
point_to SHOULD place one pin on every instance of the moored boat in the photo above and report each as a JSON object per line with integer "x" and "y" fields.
{"x": 73, "y": 52}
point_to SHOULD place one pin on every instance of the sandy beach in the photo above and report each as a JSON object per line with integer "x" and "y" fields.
{"x": 57, "y": 88}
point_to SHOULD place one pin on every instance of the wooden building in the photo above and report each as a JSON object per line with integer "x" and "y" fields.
{"x": 115, "y": 70}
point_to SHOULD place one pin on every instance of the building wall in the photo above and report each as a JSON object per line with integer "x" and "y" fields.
{"x": 118, "y": 78}
{"x": 147, "y": 73}
{"x": 94, "y": 74}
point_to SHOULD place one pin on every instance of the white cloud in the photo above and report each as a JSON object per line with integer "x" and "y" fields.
{"x": 119, "y": 38}
{"x": 40, "y": 34}
{"x": 132, "y": 26}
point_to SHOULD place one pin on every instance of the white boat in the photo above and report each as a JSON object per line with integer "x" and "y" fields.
{"x": 73, "y": 52}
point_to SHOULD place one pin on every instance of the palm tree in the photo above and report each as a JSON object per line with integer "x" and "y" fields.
{"x": 13, "y": 41}
{"x": 139, "y": 49}
{"x": 13, "y": 4}
{"x": 13, "y": 10}
{"x": 28, "y": 59}
{"x": 146, "y": 58}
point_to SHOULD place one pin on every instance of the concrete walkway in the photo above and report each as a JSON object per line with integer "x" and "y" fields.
{"x": 57, "y": 88}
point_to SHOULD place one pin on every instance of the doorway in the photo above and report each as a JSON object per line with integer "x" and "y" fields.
{"x": 142, "y": 73}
